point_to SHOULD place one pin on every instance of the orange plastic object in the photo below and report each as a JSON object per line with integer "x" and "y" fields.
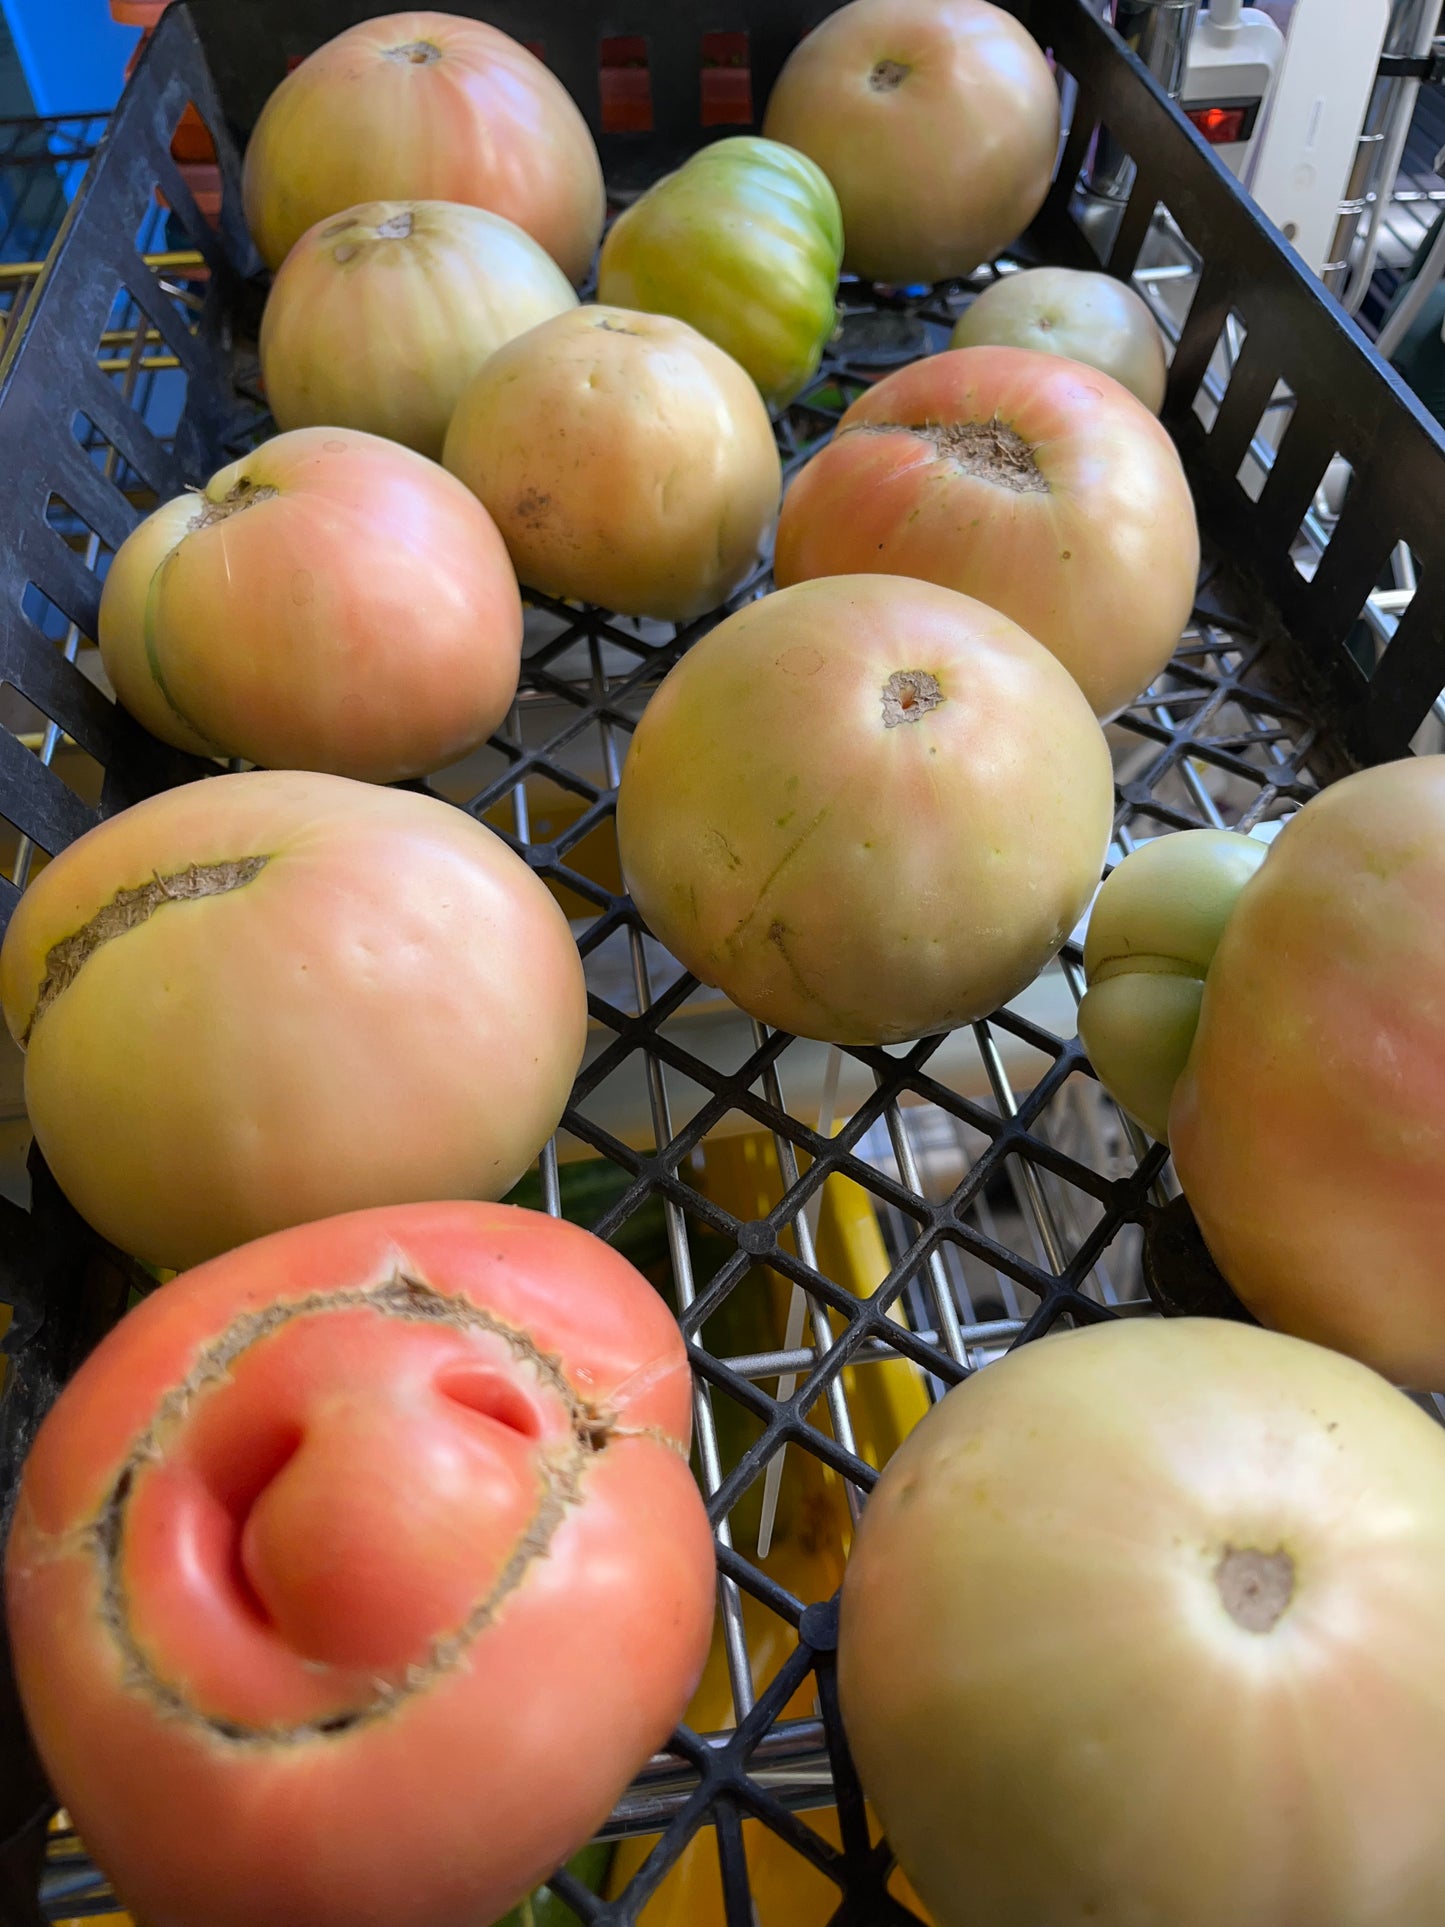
{"x": 138, "y": 13}
{"x": 192, "y": 139}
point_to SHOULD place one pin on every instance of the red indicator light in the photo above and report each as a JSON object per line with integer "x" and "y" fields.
{"x": 1220, "y": 125}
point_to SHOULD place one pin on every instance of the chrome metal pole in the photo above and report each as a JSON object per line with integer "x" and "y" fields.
{"x": 1159, "y": 32}
{"x": 1411, "y": 29}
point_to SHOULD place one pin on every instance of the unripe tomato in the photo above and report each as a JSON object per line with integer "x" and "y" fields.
{"x": 1040, "y": 486}
{"x": 745, "y": 242}
{"x": 936, "y": 120}
{"x": 1142, "y": 1625}
{"x": 868, "y": 809}
{"x": 1093, "y": 318}
{"x": 1304, "y": 1090}
{"x": 378, "y": 318}
{"x": 625, "y": 458}
{"x": 1153, "y": 932}
{"x": 272, "y": 996}
{"x": 331, "y": 601}
{"x": 1308, "y": 1128}
{"x": 425, "y": 107}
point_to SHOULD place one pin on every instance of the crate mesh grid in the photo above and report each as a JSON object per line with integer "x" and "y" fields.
{"x": 1006, "y": 1210}
{"x": 1205, "y": 715}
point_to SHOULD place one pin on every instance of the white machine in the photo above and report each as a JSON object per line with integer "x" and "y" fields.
{"x": 1286, "y": 93}
{"x": 1235, "y": 57}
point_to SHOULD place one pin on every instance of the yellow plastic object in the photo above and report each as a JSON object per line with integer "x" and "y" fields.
{"x": 811, "y": 1535}
{"x": 553, "y": 811}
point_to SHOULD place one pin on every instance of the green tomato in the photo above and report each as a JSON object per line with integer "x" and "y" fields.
{"x": 744, "y": 243}
{"x": 1153, "y": 932}
{"x": 544, "y": 1909}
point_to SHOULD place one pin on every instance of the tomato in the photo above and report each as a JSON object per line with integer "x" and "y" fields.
{"x": 1308, "y": 1128}
{"x": 328, "y": 602}
{"x": 867, "y": 809}
{"x": 357, "y": 1572}
{"x": 1040, "y": 486}
{"x": 271, "y": 996}
{"x": 937, "y": 121}
{"x": 1091, "y": 318}
{"x": 745, "y": 243}
{"x": 1142, "y": 1625}
{"x": 1301, "y": 1088}
{"x": 1153, "y": 932}
{"x": 331, "y": 601}
{"x": 626, "y": 460}
{"x": 378, "y": 318}
{"x": 425, "y": 107}
{"x": 542, "y": 1908}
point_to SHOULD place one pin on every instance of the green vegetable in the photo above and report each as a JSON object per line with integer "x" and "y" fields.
{"x": 745, "y": 243}
{"x": 1155, "y": 927}
{"x": 544, "y": 1909}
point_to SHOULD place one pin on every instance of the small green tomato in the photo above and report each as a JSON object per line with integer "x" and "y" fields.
{"x": 1153, "y": 932}
{"x": 1084, "y": 316}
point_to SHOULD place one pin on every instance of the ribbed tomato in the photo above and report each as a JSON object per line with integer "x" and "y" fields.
{"x": 425, "y": 107}
{"x": 745, "y": 243}
{"x": 357, "y": 1572}
{"x": 378, "y": 318}
{"x": 1153, "y": 932}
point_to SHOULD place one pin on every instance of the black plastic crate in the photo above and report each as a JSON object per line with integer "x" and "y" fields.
{"x": 128, "y": 381}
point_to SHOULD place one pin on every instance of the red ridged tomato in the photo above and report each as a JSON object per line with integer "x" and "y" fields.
{"x": 357, "y": 1572}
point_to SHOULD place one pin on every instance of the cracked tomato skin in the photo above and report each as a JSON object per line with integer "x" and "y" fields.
{"x": 1085, "y": 534}
{"x": 846, "y": 871}
{"x": 356, "y": 1573}
{"x": 389, "y": 1007}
